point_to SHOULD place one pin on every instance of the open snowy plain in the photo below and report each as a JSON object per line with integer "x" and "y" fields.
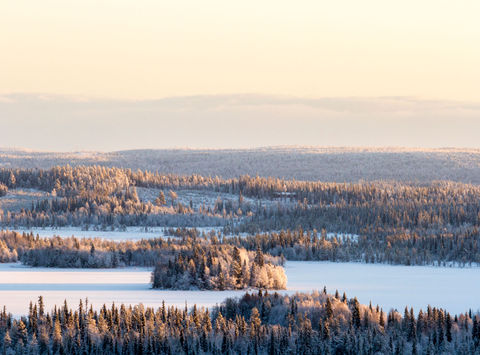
{"x": 454, "y": 289}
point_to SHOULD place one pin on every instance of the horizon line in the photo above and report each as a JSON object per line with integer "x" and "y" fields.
{"x": 373, "y": 149}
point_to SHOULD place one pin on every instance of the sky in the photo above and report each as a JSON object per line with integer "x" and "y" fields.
{"x": 118, "y": 74}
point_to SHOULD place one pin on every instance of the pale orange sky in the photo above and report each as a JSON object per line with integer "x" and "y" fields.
{"x": 152, "y": 49}
{"x": 118, "y": 74}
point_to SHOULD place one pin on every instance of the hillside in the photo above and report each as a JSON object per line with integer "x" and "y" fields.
{"x": 301, "y": 163}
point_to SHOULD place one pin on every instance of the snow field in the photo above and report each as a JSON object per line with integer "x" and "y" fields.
{"x": 454, "y": 289}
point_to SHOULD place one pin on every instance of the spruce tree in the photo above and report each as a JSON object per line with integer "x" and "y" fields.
{"x": 160, "y": 200}
{"x": 236, "y": 267}
{"x": 356, "y": 320}
{"x": 259, "y": 260}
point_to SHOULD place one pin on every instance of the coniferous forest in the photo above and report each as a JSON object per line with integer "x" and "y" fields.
{"x": 258, "y": 323}
{"x": 398, "y": 223}
{"x": 235, "y": 234}
{"x": 239, "y": 177}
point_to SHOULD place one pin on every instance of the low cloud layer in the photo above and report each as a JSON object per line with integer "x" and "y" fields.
{"x": 49, "y": 122}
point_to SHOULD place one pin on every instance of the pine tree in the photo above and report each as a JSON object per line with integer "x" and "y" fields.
{"x": 160, "y": 200}
{"x": 476, "y": 330}
{"x": 255, "y": 322}
{"x": 329, "y": 309}
{"x": 57, "y": 337}
{"x": 326, "y": 331}
{"x": 7, "y": 341}
{"x": 448, "y": 326}
{"x": 356, "y": 320}
{"x": 22, "y": 334}
{"x": 221, "y": 279}
{"x": 259, "y": 260}
{"x": 236, "y": 267}
{"x": 11, "y": 181}
{"x": 224, "y": 346}
{"x": 411, "y": 326}
{"x": 41, "y": 307}
{"x": 272, "y": 348}
{"x": 381, "y": 320}
{"x": 173, "y": 196}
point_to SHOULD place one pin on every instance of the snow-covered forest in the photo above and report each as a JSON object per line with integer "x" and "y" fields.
{"x": 248, "y": 226}
{"x": 239, "y": 177}
{"x": 407, "y": 223}
{"x": 184, "y": 263}
{"x": 257, "y": 323}
{"x": 219, "y": 268}
{"x": 332, "y": 164}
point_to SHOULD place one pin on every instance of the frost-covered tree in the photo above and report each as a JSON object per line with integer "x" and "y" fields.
{"x": 160, "y": 200}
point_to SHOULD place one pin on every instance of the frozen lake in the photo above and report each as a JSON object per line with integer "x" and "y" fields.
{"x": 131, "y": 233}
{"x": 392, "y": 286}
{"x": 454, "y": 289}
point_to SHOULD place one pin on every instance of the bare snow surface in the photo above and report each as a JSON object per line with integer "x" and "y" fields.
{"x": 455, "y": 289}
{"x": 131, "y": 233}
{"x": 19, "y": 285}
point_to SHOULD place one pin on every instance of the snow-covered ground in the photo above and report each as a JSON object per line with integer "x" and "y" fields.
{"x": 391, "y": 286}
{"x": 136, "y": 233}
{"x": 131, "y": 233}
{"x": 455, "y": 289}
{"x": 342, "y": 236}
{"x": 16, "y": 199}
{"x": 19, "y": 285}
{"x": 199, "y": 197}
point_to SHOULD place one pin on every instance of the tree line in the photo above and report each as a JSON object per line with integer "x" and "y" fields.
{"x": 106, "y": 197}
{"x": 256, "y": 323}
{"x": 407, "y": 223}
{"x": 441, "y": 249}
{"x": 461, "y": 248}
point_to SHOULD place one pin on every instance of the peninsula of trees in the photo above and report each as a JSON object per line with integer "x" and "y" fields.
{"x": 189, "y": 262}
{"x": 220, "y": 268}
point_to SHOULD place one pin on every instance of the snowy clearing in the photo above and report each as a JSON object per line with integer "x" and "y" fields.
{"x": 454, "y": 289}
{"x": 16, "y": 199}
{"x": 198, "y": 197}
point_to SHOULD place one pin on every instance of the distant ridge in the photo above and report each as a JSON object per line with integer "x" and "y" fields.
{"x": 340, "y": 164}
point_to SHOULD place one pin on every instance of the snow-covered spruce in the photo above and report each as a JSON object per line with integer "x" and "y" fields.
{"x": 3, "y": 189}
{"x": 261, "y": 323}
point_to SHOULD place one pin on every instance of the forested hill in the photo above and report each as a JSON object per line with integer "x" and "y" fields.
{"x": 300, "y": 163}
{"x": 394, "y": 222}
